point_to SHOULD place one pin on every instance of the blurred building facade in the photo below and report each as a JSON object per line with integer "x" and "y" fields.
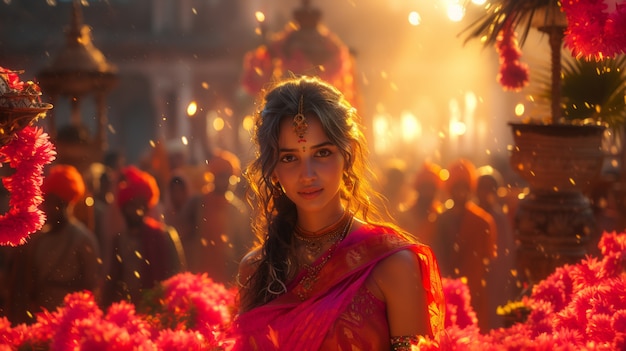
{"x": 168, "y": 54}
{"x": 423, "y": 93}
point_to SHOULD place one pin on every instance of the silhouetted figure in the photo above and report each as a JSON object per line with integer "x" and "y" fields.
{"x": 465, "y": 239}
{"x": 178, "y": 194}
{"x": 147, "y": 252}
{"x": 62, "y": 258}
{"x": 420, "y": 217}
{"x": 108, "y": 217}
{"x": 218, "y": 232}
{"x": 393, "y": 188}
{"x": 502, "y": 283}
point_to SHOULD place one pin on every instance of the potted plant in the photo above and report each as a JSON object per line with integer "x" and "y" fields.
{"x": 557, "y": 158}
{"x": 591, "y": 29}
{"x": 593, "y": 91}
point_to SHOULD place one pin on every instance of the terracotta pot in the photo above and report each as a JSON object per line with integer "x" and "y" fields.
{"x": 554, "y": 223}
{"x": 557, "y": 158}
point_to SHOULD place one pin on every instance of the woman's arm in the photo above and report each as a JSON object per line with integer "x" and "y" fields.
{"x": 400, "y": 281}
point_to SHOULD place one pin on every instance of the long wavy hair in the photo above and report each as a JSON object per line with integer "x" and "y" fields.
{"x": 275, "y": 215}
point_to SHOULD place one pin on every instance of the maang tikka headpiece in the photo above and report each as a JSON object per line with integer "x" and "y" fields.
{"x": 300, "y": 126}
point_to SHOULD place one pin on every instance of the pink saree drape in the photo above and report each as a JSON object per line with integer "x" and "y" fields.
{"x": 337, "y": 309}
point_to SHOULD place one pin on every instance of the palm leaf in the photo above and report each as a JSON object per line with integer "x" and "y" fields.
{"x": 517, "y": 13}
{"x": 595, "y": 90}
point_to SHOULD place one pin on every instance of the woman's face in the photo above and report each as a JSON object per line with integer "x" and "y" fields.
{"x": 310, "y": 168}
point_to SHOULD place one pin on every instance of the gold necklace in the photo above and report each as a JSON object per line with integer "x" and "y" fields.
{"x": 312, "y": 272}
{"x": 314, "y": 241}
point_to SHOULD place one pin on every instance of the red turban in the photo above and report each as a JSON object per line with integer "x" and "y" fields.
{"x": 65, "y": 182}
{"x": 135, "y": 184}
{"x": 429, "y": 174}
{"x": 462, "y": 171}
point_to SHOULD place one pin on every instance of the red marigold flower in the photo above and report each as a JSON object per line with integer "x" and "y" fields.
{"x": 459, "y": 311}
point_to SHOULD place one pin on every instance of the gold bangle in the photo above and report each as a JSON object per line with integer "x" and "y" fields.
{"x": 403, "y": 343}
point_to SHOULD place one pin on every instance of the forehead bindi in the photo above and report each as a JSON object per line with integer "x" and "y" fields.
{"x": 314, "y": 135}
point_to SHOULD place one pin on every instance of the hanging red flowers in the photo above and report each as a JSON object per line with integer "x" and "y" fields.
{"x": 513, "y": 74}
{"x": 28, "y": 153}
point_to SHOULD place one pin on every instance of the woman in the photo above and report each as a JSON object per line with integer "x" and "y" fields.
{"x": 328, "y": 275}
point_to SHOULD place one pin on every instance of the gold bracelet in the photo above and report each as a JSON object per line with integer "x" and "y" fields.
{"x": 403, "y": 343}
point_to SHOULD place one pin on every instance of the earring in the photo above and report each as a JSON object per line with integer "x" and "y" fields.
{"x": 277, "y": 190}
{"x": 347, "y": 181}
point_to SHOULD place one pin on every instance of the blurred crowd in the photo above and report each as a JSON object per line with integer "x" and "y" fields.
{"x": 117, "y": 229}
{"x": 467, "y": 214}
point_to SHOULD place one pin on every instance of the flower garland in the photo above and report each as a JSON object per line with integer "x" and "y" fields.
{"x": 513, "y": 74}
{"x": 592, "y": 32}
{"x": 28, "y": 153}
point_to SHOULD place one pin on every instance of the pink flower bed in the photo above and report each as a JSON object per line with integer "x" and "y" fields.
{"x": 186, "y": 312}
{"x": 578, "y": 307}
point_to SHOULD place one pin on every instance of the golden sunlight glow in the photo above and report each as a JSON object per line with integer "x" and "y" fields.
{"x": 444, "y": 175}
{"x": 519, "y": 109}
{"x": 456, "y": 12}
{"x": 381, "y": 126}
{"x": 192, "y": 108}
{"x": 229, "y": 195}
{"x": 248, "y": 123}
{"x": 479, "y": 2}
{"x": 89, "y": 201}
{"x": 381, "y": 131}
{"x": 457, "y": 128}
{"x": 260, "y": 16}
{"x": 471, "y": 102}
{"x": 218, "y": 124}
{"x": 411, "y": 128}
{"x": 414, "y": 18}
{"x": 233, "y": 180}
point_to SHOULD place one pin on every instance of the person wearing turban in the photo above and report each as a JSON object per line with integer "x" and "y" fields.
{"x": 419, "y": 218}
{"x": 147, "y": 251}
{"x": 62, "y": 258}
{"x": 218, "y": 233}
{"x": 465, "y": 239}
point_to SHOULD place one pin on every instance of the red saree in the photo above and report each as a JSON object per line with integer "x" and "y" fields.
{"x": 338, "y": 312}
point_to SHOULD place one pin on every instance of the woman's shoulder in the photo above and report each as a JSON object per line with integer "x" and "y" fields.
{"x": 405, "y": 249}
{"x": 382, "y": 231}
{"x": 372, "y": 227}
{"x": 402, "y": 262}
{"x": 395, "y": 273}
